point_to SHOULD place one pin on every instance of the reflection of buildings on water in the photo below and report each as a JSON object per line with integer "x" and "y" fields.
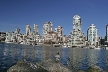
{"x": 5, "y": 52}
{"x": 107, "y": 58}
{"x": 32, "y": 53}
{"x": 101, "y": 62}
{"x": 92, "y": 57}
{"x": 76, "y": 57}
{"x": 11, "y": 50}
{"x": 45, "y": 53}
{"x": 49, "y": 52}
{"x": 38, "y": 54}
{"x": 64, "y": 55}
{"x": 84, "y": 62}
{"x": 6, "y": 49}
{"x": 23, "y": 52}
{"x": 1, "y": 50}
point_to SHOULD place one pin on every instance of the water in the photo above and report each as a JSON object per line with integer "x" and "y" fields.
{"x": 79, "y": 58}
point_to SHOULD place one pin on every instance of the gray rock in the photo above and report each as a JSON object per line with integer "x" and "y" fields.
{"x": 52, "y": 66}
{"x": 46, "y": 66}
{"x": 81, "y": 71}
{"x": 104, "y": 71}
{"x": 23, "y": 66}
{"x": 94, "y": 68}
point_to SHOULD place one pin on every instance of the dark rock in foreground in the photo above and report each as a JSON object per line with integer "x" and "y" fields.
{"x": 52, "y": 66}
{"x": 94, "y": 68}
{"x": 23, "y": 66}
{"x": 81, "y": 71}
{"x": 46, "y": 66}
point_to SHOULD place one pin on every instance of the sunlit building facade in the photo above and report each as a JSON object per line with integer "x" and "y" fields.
{"x": 47, "y": 27}
{"x": 35, "y": 29}
{"x": 92, "y": 35}
{"x": 107, "y": 33}
{"x": 28, "y": 29}
{"x": 77, "y": 36}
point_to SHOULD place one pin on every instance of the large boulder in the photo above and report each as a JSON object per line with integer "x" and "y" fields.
{"x": 44, "y": 66}
{"x": 53, "y": 66}
{"x": 81, "y": 71}
{"x": 94, "y": 68}
{"x": 23, "y": 66}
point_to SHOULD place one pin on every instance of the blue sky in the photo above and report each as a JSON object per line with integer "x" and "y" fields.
{"x": 18, "y": 13}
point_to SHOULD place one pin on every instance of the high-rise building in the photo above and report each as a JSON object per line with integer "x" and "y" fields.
{"x": 28, "y": 29}
{"x": 107, "y": 32}
{"x": 77, "y": 23}
{"x": 35, "y": 29}
{"x": 17, "y": 31}
{"x": 47, "y": 27}
{"x": 92, "y": 35}
{"x": 77, "y": 36}
{"x": 8, "y": 36}
{"x": 59, "y": 31}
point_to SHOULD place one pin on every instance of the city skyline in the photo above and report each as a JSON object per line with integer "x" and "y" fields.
{"x": 18, "y": 13}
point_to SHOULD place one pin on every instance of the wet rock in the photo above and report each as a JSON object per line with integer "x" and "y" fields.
{"x": 94, "y": 68}
{"x": 104, "y": 71}
{"x": 23, "y": 66}
{"x": 44, "y": 66}
{"x": 53, "y": 66}
{"x": 81, "y": 71}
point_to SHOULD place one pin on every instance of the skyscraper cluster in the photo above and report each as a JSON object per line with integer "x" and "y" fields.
{"x": 75, "y": 38}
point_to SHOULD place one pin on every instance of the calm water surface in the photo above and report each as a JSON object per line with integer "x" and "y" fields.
{"x": 79, "y": 58}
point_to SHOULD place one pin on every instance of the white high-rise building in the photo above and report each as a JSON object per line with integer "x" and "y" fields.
{"x": 77, "y": 23}
{"x": 59, "y": 31}
{"x": 47, "y": 27}
{"x": 35, "y": 29}
{"x": 28, "y": 29}
{"x": 92, "y": 35}
{"x": 107, "y": 32}
{"x": 77, "y": 36}
{"x": 17, "y": 31}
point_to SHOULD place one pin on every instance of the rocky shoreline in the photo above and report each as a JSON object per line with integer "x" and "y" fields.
{"x": 47, "y": 66}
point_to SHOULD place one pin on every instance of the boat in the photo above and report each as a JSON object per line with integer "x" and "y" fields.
{"x": 68, "y": 46}
{"x": 97, "y": 47}
{"x": 106, "y": 48}
{"x": 21, "y": 43}
{"x": 64, "y": 46}
{"x": 92, "y": 47}
{"x": 8, "y": 42}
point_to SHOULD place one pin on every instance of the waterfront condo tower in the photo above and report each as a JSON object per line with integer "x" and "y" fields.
{"x": 92, "y": 35}
{"x": 35, "y": 29}
{"x": 107, "y": 33}
{"x": 47, "y": 27}
{"x": 77, "y": 36}
{"x": 28, "y": 29}
{"x": 59, "y": 31}
{"x": 17, "y": 30}
{"x": 77, "y": 23}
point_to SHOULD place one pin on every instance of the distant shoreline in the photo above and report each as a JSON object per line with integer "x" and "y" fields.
{"x": 51, "y": 46}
